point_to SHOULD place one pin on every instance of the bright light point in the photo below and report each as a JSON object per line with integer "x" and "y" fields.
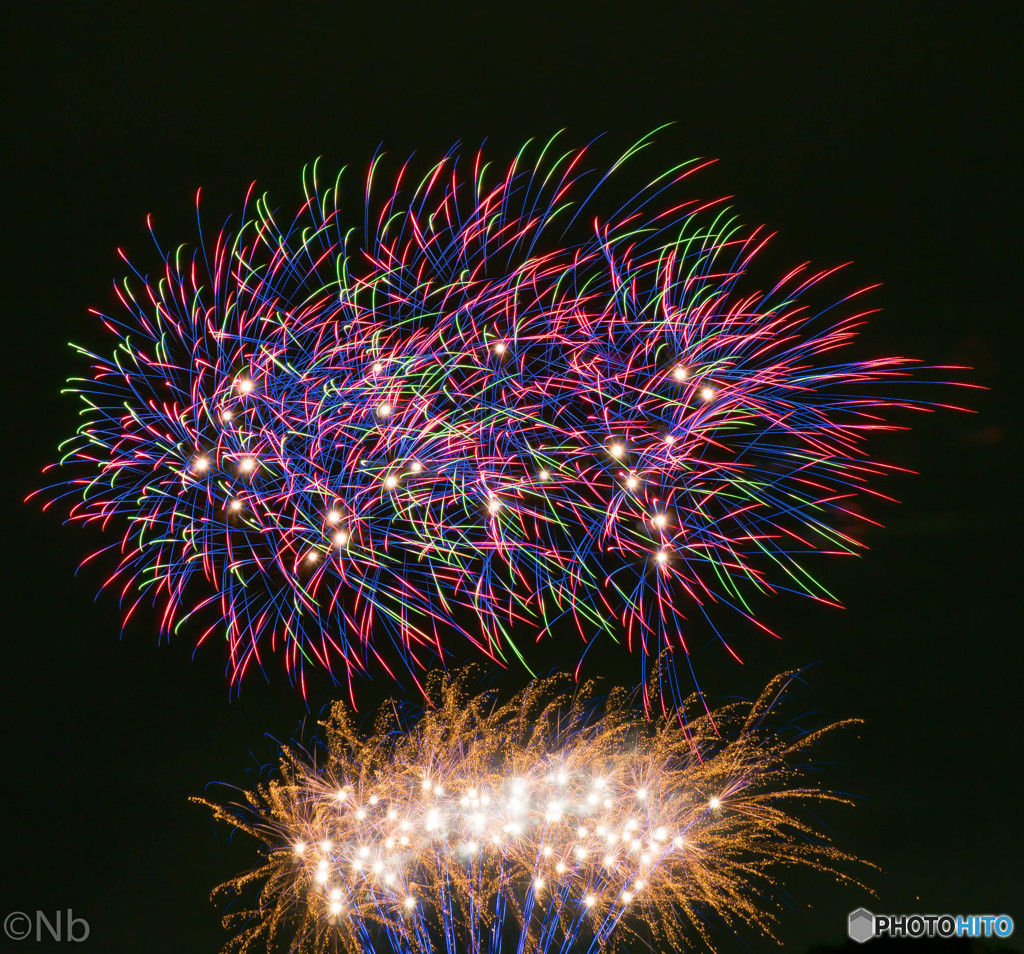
{"x": 300, "y": 847}
{"x": 246, "y": 464}
{"x": 626, "y": 897}
{"x": 616, "y": 450}
{"x": 678, "y": 841}
{"x": 226, "y": 416}
{"x": 201, "y": 463}
{"x": 360, "y": 814}
{"x": 313, "y": 556}
{"x": 669, "y": 439}
{"x": 546, "y": 851}
{"x": 661, "y": 556}
{"x": 426, "y": 784}
{"x": 494, "y": 506}
{"x": 374, "y": 799}
{"x": 560, "y": 868}
{"x": 235, "y": 505}
{"x": 416, "y": 467}
{"x": 714, "y": 803}
{"x": 589, "y": 900}
{"x": 325, "y": 846}
{"x": 391, "y": 482}
{"x": 680, "y": 373}
{"x": 335, "y": 908}
{"x": 383, "y": 410}
{"x": 660, "y": 520}
{"x": 660, "y": 834}
{"x": 378, "y": 367}
{"x": 641, "y": 794}
{"x": 341, "y": 538}
{"x": 333, "y": 516}
{"x": 410, "y": 902}
{"x": 499, "y": 348}
{"x": 245, "y": 386}
{"x": 707, "y": 394}
{"x": 544, "y": 475}
{"x": 321, "y": 877}
{"x": 631, "y": 483}
{"x": 341, "y": 795}
{"x": 538, "y": 884}
{"x": 335, "y": 895}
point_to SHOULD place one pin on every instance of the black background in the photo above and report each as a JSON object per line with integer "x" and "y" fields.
{"x": 880, "y": 134}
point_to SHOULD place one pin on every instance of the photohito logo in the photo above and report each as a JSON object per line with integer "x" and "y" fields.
{"x": 863, "y": 925}
{"x": 46, "y": 926}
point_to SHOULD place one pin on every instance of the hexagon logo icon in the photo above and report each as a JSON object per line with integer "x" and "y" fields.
{"x": 862, "y": 925}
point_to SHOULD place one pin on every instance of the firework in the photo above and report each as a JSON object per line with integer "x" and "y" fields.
{"x": 548, "y": 822}
{"x": 488, "y": 410}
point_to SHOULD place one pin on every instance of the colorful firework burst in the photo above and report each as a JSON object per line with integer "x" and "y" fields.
{"x": 549, "y": 822}
{"x": 494, "y": 412}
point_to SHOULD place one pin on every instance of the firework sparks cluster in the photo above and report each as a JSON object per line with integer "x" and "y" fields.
{"x": 542, "y": 823}
{"x": 493, "y": 412}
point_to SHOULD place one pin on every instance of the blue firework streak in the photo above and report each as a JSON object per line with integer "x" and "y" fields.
{"x": 495, "y": 411}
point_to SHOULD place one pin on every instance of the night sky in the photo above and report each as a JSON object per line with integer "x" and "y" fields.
{"x": 884, "y": 135}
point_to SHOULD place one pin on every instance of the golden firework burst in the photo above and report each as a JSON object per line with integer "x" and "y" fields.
{"x": 557, "y": 816}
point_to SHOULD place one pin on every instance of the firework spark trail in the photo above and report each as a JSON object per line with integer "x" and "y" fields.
{"x": 547, "y": 822}
{"x": 476, "y": 417}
